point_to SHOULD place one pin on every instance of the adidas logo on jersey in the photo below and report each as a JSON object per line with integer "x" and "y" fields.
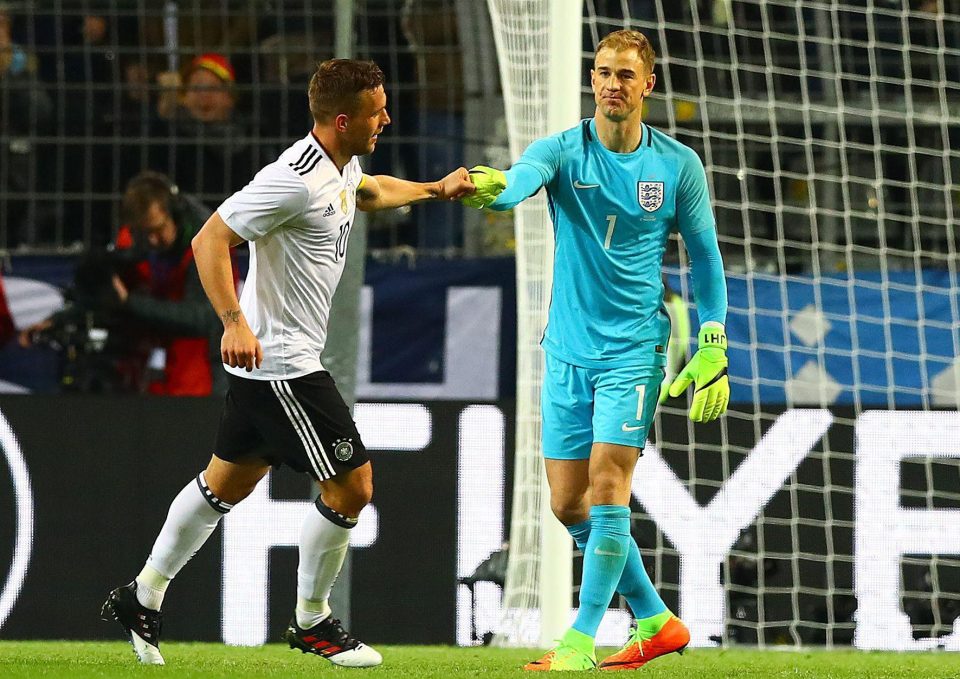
{"x": 329, "y": 212}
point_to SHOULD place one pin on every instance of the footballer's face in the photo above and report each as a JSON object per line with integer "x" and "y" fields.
{"x": 367, "y": 122}
{"x": 620, "y": 83}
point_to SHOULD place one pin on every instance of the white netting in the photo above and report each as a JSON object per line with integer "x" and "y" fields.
{"x": 521, "y": 34}
{"x": 829, "y": 132}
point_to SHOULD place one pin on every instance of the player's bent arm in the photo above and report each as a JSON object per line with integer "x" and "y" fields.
{"x": 383, "y": 192}
{"x": 211, "y": 252}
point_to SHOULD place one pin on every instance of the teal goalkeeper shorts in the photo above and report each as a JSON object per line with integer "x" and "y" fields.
{"x": 583, "y": 406}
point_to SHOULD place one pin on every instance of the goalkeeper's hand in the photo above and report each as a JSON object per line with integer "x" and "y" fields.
{"x": 708, "y": 372}
{"x": 490, "y": 183}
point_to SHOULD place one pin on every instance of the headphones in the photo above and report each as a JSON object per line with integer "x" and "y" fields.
{"x": 175, "y": 204}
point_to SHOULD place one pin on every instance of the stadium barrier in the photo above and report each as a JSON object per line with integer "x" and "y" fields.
{"x": 91, "y": 479}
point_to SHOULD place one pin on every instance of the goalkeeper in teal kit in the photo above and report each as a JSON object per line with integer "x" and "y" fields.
{"x": 616, "y": 189}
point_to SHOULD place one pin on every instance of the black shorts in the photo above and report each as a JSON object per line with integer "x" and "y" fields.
{"x": 302, "y": 422}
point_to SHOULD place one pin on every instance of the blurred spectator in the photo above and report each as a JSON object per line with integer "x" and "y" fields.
{"x": 679, "y": 340}
{"x": 431, "y": 28}
{"x": 97, "y": 69}
{"x": 207, "y": 96}
{"x": 196, "y": 32}
{"x": 287, "y": 61}
{"x": 25, "y": 112}
{"x": 213, "y": 152}
{"x": 148, "y": 292}
{"x": 97, "y": 48}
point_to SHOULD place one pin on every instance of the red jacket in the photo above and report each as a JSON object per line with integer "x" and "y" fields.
{"x": 6, "y": 318}
{"x": 191, "y": 356}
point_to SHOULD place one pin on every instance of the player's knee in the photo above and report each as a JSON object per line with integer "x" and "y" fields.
{"x": 232, "y": 482}
{"x": 233, "y": 492}
{"x": 363, "y": 493}
{"x": 568, "y": 510}
{"x": 609, "y": 490}
{"x": 610, "y": 486}
{"x": 349, "y": 494}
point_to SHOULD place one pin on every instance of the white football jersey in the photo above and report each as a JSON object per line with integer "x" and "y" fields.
{"x": 296, "y": 214}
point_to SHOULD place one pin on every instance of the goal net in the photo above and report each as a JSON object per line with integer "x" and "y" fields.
{"x": 823, "y": 508}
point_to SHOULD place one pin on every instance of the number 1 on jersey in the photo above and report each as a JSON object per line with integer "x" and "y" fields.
{"x": 611, "y": 223}
{"x": 641, "y": 390}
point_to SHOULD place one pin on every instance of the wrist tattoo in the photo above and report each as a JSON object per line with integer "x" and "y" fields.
{"x": 230, "y": 316}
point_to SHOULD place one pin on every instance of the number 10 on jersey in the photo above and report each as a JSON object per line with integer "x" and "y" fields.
{"x": 341, "y": 247}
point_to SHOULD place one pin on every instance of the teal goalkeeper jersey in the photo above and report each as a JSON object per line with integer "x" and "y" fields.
{"x": 612, "y": 215}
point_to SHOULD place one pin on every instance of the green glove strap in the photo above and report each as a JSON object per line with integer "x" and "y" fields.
{"x": 707, "y": 370}
{"x": 490, "y": 183}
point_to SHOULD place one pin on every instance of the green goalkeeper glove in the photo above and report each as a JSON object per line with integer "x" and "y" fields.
{"x": 490, "y": 183}
{"x": 708, "y": 372}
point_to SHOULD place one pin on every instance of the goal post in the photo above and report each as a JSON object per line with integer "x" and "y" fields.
{"x": 538, "y": 48}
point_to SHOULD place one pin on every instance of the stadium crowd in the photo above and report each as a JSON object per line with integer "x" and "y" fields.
{"x": 96, "y": 95}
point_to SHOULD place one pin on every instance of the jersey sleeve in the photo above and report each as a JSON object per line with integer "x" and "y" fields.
{"x": 706, "y": 273}
{"x": 699, "y": 231}
{"x": 273, "y": 198}
{"x": 694, "y": 212}
{"x": 536, "y": 168}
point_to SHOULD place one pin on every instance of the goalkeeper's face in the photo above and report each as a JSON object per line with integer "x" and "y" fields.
{"x": 620, "y": 83}
{"x": 361, "y": 129}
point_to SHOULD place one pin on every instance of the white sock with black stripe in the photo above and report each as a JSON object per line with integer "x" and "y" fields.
{"x": 193, "y": 516}
{"x": 324, "y": 539}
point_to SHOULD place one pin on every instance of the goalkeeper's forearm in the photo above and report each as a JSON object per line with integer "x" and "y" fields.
{"x": 522, "y": 182}
{"x": 709, "y": 283}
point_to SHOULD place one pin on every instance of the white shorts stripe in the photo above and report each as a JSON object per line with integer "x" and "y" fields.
{"x": 285, "y": 386}
{"x": 323, "y": 473}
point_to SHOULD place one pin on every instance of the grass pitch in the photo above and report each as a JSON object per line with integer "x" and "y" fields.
{"x": 212, "y": 661}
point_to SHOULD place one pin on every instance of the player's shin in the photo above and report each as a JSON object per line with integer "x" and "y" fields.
{"x": 193, "y": 516}
{"x": 603, "y": 562}
{"x": 324, "y": 539}
{"x": 635, "y": 585}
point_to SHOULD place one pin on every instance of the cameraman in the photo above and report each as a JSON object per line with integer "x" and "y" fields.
{"x": 163, "y": 290}
{"x": 149, "y": 293}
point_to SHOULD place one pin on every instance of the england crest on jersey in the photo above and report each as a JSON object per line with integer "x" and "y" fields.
{"x": 650, "y": 195}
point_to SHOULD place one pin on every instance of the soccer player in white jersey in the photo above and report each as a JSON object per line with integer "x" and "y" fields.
{"x": 282, "y": 406}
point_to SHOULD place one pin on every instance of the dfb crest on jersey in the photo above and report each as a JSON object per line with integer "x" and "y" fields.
{"x": 343, "y": 450}
{"x": 650, "y": 195}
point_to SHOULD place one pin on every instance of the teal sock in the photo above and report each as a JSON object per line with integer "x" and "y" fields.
{"x": 635, "y": 585}
{"x": 603, "y": 562}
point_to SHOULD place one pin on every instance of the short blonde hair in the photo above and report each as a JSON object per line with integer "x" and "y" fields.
{"x": 628, "y": 39}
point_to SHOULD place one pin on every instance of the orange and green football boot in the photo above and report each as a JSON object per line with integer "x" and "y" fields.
{"x": 575, "y": 653}
{"x": 673, "y": 637}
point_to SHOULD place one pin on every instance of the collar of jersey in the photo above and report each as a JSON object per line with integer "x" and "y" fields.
{"x": 323, "y": 151}
{"x": 641, "y": 147}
